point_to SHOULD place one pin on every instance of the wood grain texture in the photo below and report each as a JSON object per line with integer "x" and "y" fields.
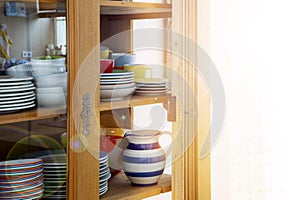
{"x": 35, "y": 114}
{"x": 128, "y": 8}
{"x": 120, "y": 188}
{"x": 83, "y": 61}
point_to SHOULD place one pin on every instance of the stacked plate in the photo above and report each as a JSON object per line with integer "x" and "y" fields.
{"x": 21, "y": 179}
{"x": 16, "y": 93}
{"x": 55, "y": 169}
{"x": 152, "y": 86}
{"x": 104, "y": 173}
{"x": 116, "y": 85}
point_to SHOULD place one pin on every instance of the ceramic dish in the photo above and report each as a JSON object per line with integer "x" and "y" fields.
{"x": 6, "y": 79}
{"x": 15, "y": 83}
{"x": 19, "y": 94}
{"x": 17, "y": 104}
{"x": 16, "y": 99}
{"x": 118, "y": 73}
{"x": 117, "y": 80}
{"x": 118, "y": 86}
{"x": 110, "y": 82}
{"x": 16, "y": 87}
{"x": 152, "y": 81}
{"x": 116, "y": 94}
{"x": 16, "y": 108}
{"x": 17, "y": 90}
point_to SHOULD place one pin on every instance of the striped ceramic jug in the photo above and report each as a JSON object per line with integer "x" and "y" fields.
{"x": 143, "y": 160}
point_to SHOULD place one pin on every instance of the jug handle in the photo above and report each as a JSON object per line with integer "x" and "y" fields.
{"x": 168, "y": 151}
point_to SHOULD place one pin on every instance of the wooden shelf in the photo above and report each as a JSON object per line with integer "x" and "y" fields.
{"x": 134, "y": 101}
{"x": 132, "y": 8}
{"x": 30, "y": 115}
{"x": 119, "y": 187}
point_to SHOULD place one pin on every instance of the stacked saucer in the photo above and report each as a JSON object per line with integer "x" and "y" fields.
{"x": 21, "y": 179}
{"x": 152, "y": 86}
{"x": 16, "y": 93}
{"x": 116, "y": 85}
{"x": 104, "y": 173}
{"x": 55, "y": 169}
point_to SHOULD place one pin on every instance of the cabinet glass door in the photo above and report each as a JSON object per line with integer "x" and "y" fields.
{"x": 33, "y": 101}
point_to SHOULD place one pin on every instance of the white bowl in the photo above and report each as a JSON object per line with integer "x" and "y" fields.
{"x": 58, "y": 77}
{"x": 51, "y": 100}
{"x": 35, "y": 69}
{"x": 117, "y": 86}
{"x": 50, "y": 90}
{"x": 115, "y": 94}
{"x": 45, "y": 84}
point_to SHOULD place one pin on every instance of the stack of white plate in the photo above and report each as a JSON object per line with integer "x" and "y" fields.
{"x": 152, "y": 86}
{"x": 21, "y": 179}
{"x": 104, "y": 173}
{"x": 116, "y": 85}
{"x": 55, "y": 169}
{"x": 16, "y": 93}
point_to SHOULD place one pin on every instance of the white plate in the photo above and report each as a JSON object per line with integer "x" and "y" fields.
{"x": 24, "y": 103}
{"x": 54, "y": 167}
{"x": 121, "y": 73}
{"x": 17, "y": 101}
{"x": 16, "y": 108}
{"x": 14, "y": 79}
{"x": 151, "y": 80}
{"x": 103, "y": 192}
{"x": 58, "y": 171}
{"x": 17, "y": 90}
{"x": 16, "y": 104}
{"x": 15, "y": 83}
{"x": 3, "y": 99}
{"x": 16, "y": 87}
{"x": 115, "y": 82}
{"x": 21, "y": 189}
{"x": 117, "y": 76}
{"x": 151, "y": 88}
{"x": 152, "y": 93}
{"x": 105, "y": 178}
{"x": 118, "y": 86}
{"x": 118, "y": 93}
{"x": 16, "y": 94}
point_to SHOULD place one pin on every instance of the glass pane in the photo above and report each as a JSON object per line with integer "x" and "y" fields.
{"x": 33, "y": 103}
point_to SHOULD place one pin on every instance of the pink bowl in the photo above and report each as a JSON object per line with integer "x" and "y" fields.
{"x": 106, "y": 65}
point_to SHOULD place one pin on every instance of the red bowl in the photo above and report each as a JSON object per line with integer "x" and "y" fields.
{"x": 106, "y": 65}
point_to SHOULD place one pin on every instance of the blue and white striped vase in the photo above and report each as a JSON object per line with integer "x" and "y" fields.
{"x": 143, "y": 160}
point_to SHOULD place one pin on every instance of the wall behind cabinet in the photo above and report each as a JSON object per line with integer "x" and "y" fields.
{"x": 30, "y": 33}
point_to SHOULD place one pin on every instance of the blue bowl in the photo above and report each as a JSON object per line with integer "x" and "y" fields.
{"x": 123, "y": 58}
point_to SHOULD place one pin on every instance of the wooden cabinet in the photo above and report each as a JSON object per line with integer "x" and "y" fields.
{"x": 88, "y": 23}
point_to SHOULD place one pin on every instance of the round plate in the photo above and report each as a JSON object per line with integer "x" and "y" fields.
{"x": 13, "y": 189}
{"x": 14, "y": 102}
{"x": 53, "y": 160}
{"x": 20, "y": 163}
{"x": 15, "y": 83}
{"x": 105, "y": 178}
{"x": 17, "y": 90}
{"x": 151, "y": 81}
{"x": 103, "y": 77}
{"x": 16, "y": 94}
{"x": 16, "y": 108}
{"x": 118, "y": 86}
{"x": 4, "y": 100}
{"x": 103, "y": 192}
{"x": 117, "y": 73}
{"x": 116, "y": 82}
{"x": 14, "y": 79}
{"x": 152, "y": 88}
{"x": 16, "y": 87}
{"x": 17, "y": 104}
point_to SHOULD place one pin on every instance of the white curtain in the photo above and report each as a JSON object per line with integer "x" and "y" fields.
{"x": 256, "y": 48}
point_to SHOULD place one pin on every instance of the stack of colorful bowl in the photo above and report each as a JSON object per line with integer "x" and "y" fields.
{"x": 21, "y": 179}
